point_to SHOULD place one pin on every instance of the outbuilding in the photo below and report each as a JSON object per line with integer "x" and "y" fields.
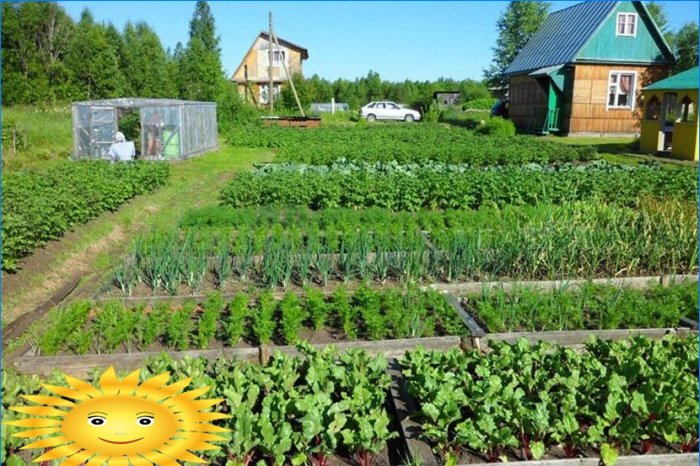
{"x": 162, "y": 129}
{"x": 670, "y": 123}
{"x": 583, "y": 70}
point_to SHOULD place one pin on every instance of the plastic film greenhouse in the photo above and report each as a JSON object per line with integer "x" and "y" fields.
{"x": 160, "y": 129}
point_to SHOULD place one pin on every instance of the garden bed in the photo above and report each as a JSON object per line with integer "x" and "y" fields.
{"x": 298, "y": 248}
{"x": 324, "y": 405}
{"x": 445, "y": 186}
{"x": 245, "y": 321}
{"x": 462, "y": 429}
{"x": 406, "y": 144}
{"x": 39, "y": 206}
{"x": 580, "y": 306}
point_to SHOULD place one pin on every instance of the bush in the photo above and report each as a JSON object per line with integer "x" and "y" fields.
{"x": 480, "y": 104}
{"x": 432, "y": 113}
{"x": 497, "y": 126}
{"x": 233, "y": 111}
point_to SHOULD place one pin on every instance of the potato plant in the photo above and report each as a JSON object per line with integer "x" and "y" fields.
{"x": 406, "y": 144}
{"x": 440, "y": 186}
{"x": 39, "y": 206}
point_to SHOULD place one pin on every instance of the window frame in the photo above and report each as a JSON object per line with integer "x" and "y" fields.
{"x": 279, "y": 53}
{"x": 632, "y": 93}
{"x": 635, "y": 24}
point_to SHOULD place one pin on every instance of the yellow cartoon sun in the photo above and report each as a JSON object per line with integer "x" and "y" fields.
{"x": 121, "y": 423}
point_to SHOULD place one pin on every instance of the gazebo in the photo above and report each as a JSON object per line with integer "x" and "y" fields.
{"x": 163, "y": 129}
{"x": 670, "y": 122}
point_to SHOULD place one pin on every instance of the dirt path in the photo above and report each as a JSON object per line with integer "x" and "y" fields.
{"x": 92, "y": 248}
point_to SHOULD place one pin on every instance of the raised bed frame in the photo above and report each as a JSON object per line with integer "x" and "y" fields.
{"x": 402, "y": 403}
{"x": 25, "y": 362}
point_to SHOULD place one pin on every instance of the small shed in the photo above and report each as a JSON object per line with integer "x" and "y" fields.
{"x": 162, "y": 129}
{"x": 446, "y": 98}
{"x": 670, "y": 121}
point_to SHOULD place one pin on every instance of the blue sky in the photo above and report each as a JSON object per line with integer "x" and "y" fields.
{"x": 416, "y": 40}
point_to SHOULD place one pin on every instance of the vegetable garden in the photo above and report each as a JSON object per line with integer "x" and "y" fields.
{"x": 39, "y": 206}
{"x": 320, "y": 299}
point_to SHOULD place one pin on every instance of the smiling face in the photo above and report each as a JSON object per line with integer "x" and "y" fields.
{"x": 120, "y": 425}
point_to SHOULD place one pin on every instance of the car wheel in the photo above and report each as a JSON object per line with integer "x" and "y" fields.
{"x": 371, "y": 118}
{"x": 408, "y": 118}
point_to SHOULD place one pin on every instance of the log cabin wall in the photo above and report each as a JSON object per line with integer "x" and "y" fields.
{"x": 589, "y": 112}
{"x": 525, "y": 95}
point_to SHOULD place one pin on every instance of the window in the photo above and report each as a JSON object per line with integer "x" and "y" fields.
{"x": 626, "y": 24}
{"x": 653, "y": 108}
{"x": 278, "y": 56}
{"x": 687, "y": 110}
{"x": 392, "y": 106}
{"x": 264, "y": 93}
{"x": 621, "y": 90}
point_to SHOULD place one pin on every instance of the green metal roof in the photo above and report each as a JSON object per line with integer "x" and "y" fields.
{"x": 566, "y": 32}
{"x": 561, "y": 36}
{"x": 687, "y": 79}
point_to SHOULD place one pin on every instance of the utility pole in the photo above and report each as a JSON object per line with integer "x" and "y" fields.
{"x": 270, "y": 90}
{"x": 289, "y": 76}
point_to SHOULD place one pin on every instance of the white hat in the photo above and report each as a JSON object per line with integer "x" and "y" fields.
{"x": 120, "y": 137}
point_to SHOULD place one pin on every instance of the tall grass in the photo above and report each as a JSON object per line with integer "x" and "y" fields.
{"x": 49, "y": 135}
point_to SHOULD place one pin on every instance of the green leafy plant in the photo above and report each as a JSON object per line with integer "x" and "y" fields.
{"x": 208, "y": 320}
{"x": 292, "y": 317}
{"x": 180, "y": 326}
{"x": 234, "y": 322}
{"x": 263, "y": 318}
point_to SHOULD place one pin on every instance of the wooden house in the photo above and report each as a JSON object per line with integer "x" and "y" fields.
{"x": 253, "y": 74}
{"x": 583, "y": 70}
{"x": 670, "y": 123}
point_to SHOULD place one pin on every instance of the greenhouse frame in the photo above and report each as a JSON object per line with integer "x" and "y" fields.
{"x": 163, "y": 129}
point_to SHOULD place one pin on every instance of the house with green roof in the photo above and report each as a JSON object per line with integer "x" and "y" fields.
{"x": 670, "y": 124}
{"x": 583, "y": 70}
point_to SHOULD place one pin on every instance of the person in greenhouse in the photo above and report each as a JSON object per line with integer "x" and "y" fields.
{"x": 122, "y": 150}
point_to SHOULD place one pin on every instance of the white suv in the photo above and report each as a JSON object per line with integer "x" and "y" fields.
{"x": 388, "y": 111}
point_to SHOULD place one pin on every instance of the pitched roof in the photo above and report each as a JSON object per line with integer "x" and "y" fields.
{"x": 565, "y": 32}
{"x": 264, "y": 35}
{"x": 286, "y": 43}
{"x": 556, "y": 42}
{"x": 687, "y": 79}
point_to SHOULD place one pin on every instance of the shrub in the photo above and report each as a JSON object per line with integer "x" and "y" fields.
{"x": 498, "y": 127}
{"x": 480, "y": 104}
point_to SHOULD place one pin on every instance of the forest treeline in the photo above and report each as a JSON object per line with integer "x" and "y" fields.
{"x": 49, "y": 57}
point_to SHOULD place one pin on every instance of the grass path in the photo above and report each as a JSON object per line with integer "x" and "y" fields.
{"x": 92, "y": 248}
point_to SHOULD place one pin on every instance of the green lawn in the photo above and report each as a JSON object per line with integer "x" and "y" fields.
{"x": 94, "y": 247}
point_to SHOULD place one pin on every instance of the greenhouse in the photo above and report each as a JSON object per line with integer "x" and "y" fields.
{"x": 160, "y": 129}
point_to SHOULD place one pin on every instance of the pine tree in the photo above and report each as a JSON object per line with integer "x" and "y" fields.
{"x": 147, "y": 62}
{"x": 201, "y": 73}
{"x": 515, "y": 27}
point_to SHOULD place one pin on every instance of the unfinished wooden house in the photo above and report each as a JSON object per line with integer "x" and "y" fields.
{"x": 584, "y": 69}
{"x": 253, "y": 74}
